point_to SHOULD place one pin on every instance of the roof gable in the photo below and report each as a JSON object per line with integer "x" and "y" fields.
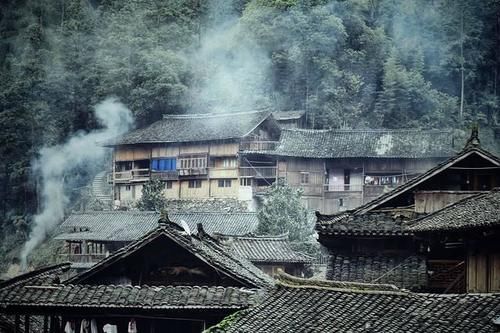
{"x": 410, "y": 185}
{"x": 201, "y": 248}
{"x": 198, "y": 127}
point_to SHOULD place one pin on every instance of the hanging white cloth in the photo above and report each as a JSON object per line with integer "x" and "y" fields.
{"x": 85, "y": 326}
{"x": 108, "y": 328}
{"x": 69, "y": 327}
{"x": 93, "y": 326}
{"x": 132, "y": 326}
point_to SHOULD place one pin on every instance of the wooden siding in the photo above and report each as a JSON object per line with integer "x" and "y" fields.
{"x": 132, "y": 153}
{"x": 165, "y": 151}
{"x": 224, "y": 192}
{"x": 224, "y": 149}
{"x": 223, "y": 173}
{"x": 483, "y": 272}
{"x": 431, "y": 201}
{"x": 194, "y": 193}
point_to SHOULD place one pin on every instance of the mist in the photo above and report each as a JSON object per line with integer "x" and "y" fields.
{"x": 78, "y": 155}
{"x": 231, "y": 69}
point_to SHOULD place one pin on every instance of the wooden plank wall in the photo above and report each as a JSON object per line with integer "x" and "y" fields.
{"x": 483, "y": 272}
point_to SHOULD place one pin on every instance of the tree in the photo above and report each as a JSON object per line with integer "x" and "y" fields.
{"x": 153, "y": 197}
{"x": 283, "y": 212}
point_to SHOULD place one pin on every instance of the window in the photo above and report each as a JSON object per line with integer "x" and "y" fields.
{"x": 163, "y": 164}
{"x": 246, "y": 181}
{"x": 196, "y": 183}
{"x": 193, "y": 162}
{"x": 224, "y": 182}
{"x": 168, "y": 184}
{"x": 304, "y": 177}
{"x": 341, "y": 202}
{"x": 229, "y": 163}
{"x": 127, "y": 188}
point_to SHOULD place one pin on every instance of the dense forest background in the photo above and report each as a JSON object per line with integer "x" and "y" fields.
{"x": 348, "y": 64}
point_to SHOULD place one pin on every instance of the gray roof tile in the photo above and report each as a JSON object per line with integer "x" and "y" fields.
{"x": 478, "y": 211}
{"x": 318, "y": 306}
{"x": 131, "y": 225}
{"x": 266, "y": 249}
{"x": 365, "y": 143}
{"x": 195, "y": 127}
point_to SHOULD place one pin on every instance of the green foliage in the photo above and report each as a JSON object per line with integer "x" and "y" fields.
{"x": 348, "y": 64}
{"x": 283, "y": 212}
{"x": 153, "y": 196}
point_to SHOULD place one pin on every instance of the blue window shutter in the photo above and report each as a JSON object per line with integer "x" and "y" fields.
{"x": 174, "y": 162}
{"x": 154, "y": 164}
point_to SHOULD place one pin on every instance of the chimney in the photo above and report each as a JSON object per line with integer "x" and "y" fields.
{"x": 201, "y": 231}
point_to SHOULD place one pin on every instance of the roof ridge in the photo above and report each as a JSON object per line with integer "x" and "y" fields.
{"x": 260, "y": 237}
{"x": 211, "y": 114}
{"x": 369, "y": 130}
{"x": 290, "y": 281}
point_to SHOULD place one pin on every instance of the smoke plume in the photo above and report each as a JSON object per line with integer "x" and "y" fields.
{"x": 77, "y": 155}
{"x": 230, "y": 67}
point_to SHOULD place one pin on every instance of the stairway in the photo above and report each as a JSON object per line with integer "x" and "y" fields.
{"x": 101, "y": 190}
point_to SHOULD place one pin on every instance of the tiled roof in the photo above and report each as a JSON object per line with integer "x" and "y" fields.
{"x": 313, "y": 307}
{"x": 204, "y": 247}
{"x": 266, "y": 249}
{"x": 478, "y": 211}
{"x": 408, "y": 272}
{"x": 43, "y": 275}
{"x": 365, "y": 143}
{"x": 131, "y": 225}
{"x": 196, "y": 127}
{"x": 113, "y": 296}
{"x": 387, "y": 222}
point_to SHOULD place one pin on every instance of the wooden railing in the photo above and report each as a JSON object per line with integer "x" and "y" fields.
{"x": 131, "y": 175}
{"x": 193, "y": 172}
{"x": 258, "y": 172}
{"x": 258, "y": 145}
{"x": 84, "y": 258}
{"x": 342, "y": 188}
{"x": 165, "y": 175}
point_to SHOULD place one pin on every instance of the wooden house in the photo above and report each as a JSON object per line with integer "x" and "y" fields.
{"x": 168, "y": 280}
{"x": 373, "y": 243}
{"x": 92, "y": 236}
{"x": 269, "y": 253}
{"x": 339, "y": 170}
{"x": 196, "y": 155}
{"x": 466, "y": 233}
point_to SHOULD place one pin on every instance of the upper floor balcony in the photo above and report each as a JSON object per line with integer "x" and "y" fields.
{"x": 134, "y": 175}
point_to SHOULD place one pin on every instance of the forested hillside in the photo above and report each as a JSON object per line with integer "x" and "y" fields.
{"x": 349, "y": 64}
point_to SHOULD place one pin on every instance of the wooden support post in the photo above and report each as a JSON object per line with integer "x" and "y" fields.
{"x": 26, "y": 324}
{"x": 17, "y": 324}
{"x": 45, "y": 324}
